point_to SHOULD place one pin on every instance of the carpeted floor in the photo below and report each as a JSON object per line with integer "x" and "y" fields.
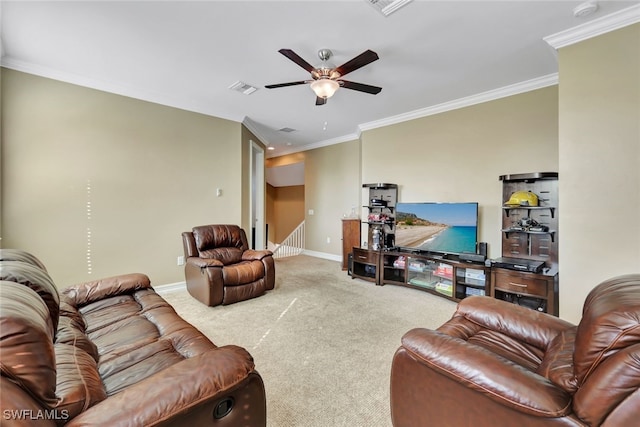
{"x": 322, "y": 341}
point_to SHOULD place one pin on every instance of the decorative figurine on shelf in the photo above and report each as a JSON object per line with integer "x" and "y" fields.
{"x": 376, "y": 239}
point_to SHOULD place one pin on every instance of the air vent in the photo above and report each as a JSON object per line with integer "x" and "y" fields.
{"x": 286, "y": 130}
{"x": 242, "y": 87}
{"x": 387, "y": 7}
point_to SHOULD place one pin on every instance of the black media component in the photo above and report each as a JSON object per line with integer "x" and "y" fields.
{"x": 482, "y": 248}
{"x": 519, "y": 264}
{"x": 471, "y": 257}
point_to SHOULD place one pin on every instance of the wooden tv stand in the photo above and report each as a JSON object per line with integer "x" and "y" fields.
{"x": 438, "y": 274}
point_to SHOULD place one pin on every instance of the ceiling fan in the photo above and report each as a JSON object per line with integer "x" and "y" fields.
{"x": 326, "y": 79}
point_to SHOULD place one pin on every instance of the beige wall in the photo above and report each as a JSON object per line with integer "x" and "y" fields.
{"x": 599, "y": 163}
{"x": 332, "y": 189}
{"x": 146, "y": 172}
{"x": 458, "y": 156}
{"x": 288, "y": 211}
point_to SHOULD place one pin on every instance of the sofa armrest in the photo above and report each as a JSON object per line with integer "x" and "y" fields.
{"x": 253, "y": 255}
{"x": 88, "y": 292}
{"x": 173, "y": 395}
{"x": 485, "y": 372}
{"x": 204, "y": 262}
{"x": 521, "y": 323}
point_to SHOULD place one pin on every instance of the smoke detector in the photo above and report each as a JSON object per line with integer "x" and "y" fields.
{"x": 585, "y": 9}
{"x": 387, "y": 7}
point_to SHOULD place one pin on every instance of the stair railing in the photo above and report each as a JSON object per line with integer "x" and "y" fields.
{"x": 292, "y": 245}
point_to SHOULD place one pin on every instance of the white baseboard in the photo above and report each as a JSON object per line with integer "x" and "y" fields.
{"x": 170, "y": 287}
{"x": 322, "y": 255}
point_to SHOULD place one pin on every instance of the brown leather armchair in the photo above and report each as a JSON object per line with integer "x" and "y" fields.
{"x": 221, "y": 269}
{"x": 499, "y": 364}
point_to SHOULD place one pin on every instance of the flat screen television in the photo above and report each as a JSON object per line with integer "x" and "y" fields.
{"x": 448, "y": 228}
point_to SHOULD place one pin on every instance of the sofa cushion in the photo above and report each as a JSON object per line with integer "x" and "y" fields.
{"x": 222, "y": 242}
{"x": 242, "y": 273}
{"x": 126, "y": 369}
{"x": 22, "y": 256}
{"x": 88, "y": 292}
{"x": 26, "y": 342}
{"x": 137, "y": 335}
{"x": 78, "y": 382}
{"x": 610, "y": 321}
{"x": 70, "y": 333}
{"x": 615, "y": 382}
{"x": 226, "y": 256}
{"x": 557, "y": 365}
{"x": 37, "y": 279}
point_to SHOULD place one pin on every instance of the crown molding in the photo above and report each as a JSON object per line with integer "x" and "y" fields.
{"x": 503, "y": 92}
{"x": 605, "y": 24}
{"x": 319, "y": 144}
{"x": 251, "y": 125}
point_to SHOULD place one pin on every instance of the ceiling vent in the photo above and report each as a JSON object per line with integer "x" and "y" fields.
{"x": 387, "y": 7}
{"x": 286, "y": 130}
{"x": 243, "y": 88}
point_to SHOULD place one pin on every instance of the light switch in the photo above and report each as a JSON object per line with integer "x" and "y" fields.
{"x": 311, "y": 212}
{"x": 218, "y": 192}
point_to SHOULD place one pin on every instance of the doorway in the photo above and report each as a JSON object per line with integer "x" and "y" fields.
{"x": 257, "y": 202}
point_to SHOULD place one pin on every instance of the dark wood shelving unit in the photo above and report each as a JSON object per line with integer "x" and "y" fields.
{"x": 537, "y": 290}
{"x": 380, "y": 218}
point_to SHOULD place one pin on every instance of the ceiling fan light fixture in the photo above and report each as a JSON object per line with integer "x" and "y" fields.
{"x": 324, "y": 88}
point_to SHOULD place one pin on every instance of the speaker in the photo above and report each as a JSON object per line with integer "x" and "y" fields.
{"x": 471, "y": 257}
{"x": 482, "y": 248}
{"x": 350, "y": 264}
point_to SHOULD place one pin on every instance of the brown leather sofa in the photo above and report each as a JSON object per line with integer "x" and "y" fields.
{"x": 499, "y": 364}
{"x": 221, "y": 269}
{"x": 112, "y": 352}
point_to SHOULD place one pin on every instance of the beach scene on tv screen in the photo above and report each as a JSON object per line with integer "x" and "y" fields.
{"x": 437, "y": 227}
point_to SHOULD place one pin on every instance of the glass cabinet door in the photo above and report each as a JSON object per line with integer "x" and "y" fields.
{"x": 420, "y": 272}
{"x": 470, "y": 281}
{"x": 444, "y": 275}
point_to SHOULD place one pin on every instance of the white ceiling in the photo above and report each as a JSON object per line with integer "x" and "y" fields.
{"x": 433, "y": 55}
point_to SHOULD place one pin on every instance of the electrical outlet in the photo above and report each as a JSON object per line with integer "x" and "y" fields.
{"x": 181, "y": 260}
{"x": 328, "y": 239}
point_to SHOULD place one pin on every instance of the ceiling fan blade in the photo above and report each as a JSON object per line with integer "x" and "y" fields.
{"x": 360, "y": 87}
{"x": 297, "y": 59}
{"x": 301, "y": 82}
{"x": 321, "y": 101}
{"x": 366, "y": 57}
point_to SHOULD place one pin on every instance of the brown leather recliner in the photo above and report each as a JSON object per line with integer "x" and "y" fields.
{"x": 499, "y": 364}
{"x": 221, "y": 269}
